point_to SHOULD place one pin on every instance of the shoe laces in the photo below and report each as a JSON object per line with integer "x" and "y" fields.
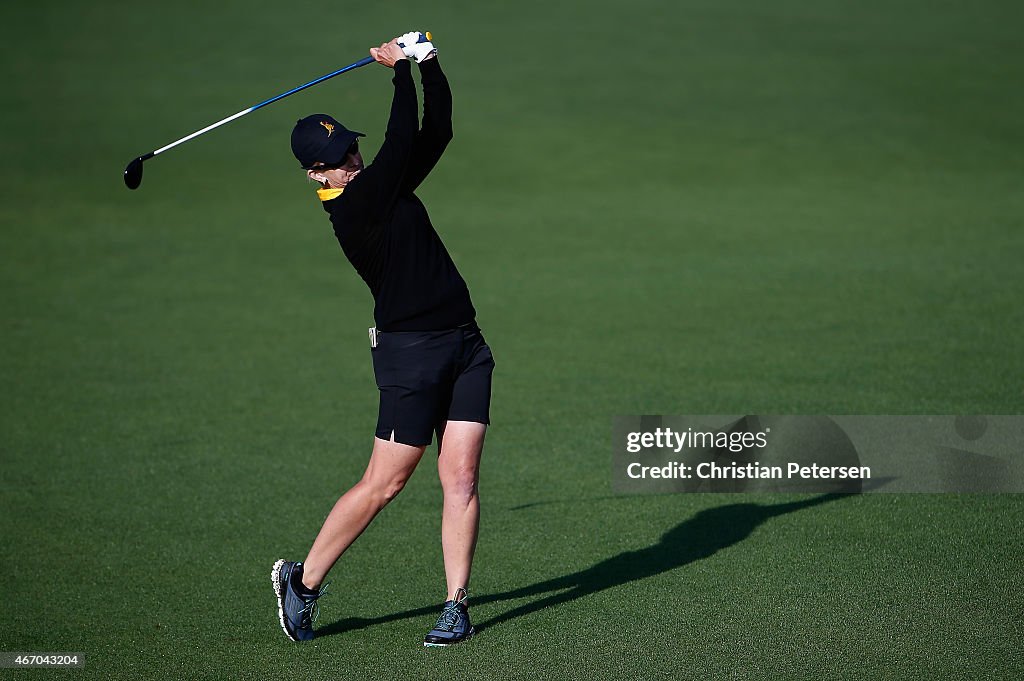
{"x": 451, "y": 616}
{"x": 310, "y": 610}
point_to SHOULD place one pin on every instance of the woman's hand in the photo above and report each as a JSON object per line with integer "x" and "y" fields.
{"x": 388, "y": 53}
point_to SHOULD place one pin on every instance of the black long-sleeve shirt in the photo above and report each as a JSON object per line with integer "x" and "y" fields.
{"x": 382, "y": 226}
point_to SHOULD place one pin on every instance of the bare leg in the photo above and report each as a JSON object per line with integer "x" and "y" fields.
{"x": 458, "y": 466}
{"x": 391, "y": 464}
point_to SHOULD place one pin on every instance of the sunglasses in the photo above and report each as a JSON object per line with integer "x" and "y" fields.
{"x": 353, "y": 149}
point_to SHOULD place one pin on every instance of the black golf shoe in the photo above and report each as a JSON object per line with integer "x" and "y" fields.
{"x": 453, "y": 626}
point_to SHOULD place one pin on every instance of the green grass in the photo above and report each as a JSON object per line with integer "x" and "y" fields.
{"x": 700, "y": 207}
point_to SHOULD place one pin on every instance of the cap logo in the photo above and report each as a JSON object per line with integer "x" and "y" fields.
{"x": 330, "y": 128}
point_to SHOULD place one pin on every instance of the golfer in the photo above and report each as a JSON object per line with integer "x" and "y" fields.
{"x": 432, "y": 366}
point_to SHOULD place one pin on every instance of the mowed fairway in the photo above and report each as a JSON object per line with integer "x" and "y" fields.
{"x": 660, "y": 208}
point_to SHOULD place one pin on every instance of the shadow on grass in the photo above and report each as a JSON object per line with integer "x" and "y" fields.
{"x": 694, "y": 539}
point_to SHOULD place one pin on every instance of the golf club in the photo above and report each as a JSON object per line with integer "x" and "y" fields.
{"x": 133, "y": 171}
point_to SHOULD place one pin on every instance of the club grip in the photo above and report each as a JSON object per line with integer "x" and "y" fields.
{"x": 424, "y": 38}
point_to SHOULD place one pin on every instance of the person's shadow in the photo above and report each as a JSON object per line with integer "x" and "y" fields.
{"x": 694, "y": 539}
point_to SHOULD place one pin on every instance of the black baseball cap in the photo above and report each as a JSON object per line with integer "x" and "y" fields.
{"x": 321, "y": 139}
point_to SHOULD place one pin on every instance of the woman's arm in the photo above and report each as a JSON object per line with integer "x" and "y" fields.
{"x": 433, "y": 137}
{"x": 376, "y": 186}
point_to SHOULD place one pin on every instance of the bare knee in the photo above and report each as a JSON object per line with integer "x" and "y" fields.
{"x": 383, "y": 491}
{"x": 460, "y": 485}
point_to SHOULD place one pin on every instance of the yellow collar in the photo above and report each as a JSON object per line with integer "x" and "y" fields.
{"x": 328, "y": 194}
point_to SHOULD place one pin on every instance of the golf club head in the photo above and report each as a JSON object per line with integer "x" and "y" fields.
{"x": 133, "y": 173}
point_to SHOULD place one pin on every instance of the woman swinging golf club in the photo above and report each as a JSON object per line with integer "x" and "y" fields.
{"x": 432, "y": 366}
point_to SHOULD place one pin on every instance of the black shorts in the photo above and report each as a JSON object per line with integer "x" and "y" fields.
{"x": 428, "y": 377}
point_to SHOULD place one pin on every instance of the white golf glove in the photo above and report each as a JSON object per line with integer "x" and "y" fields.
{"x": 415, "y": 50}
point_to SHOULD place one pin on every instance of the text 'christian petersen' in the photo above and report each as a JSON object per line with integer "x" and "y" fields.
{"x": 710, "y": 470}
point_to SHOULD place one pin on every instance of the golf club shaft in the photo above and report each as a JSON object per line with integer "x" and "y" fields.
{"x": 362, "y": 62}
{"x": 133, "y": 171}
